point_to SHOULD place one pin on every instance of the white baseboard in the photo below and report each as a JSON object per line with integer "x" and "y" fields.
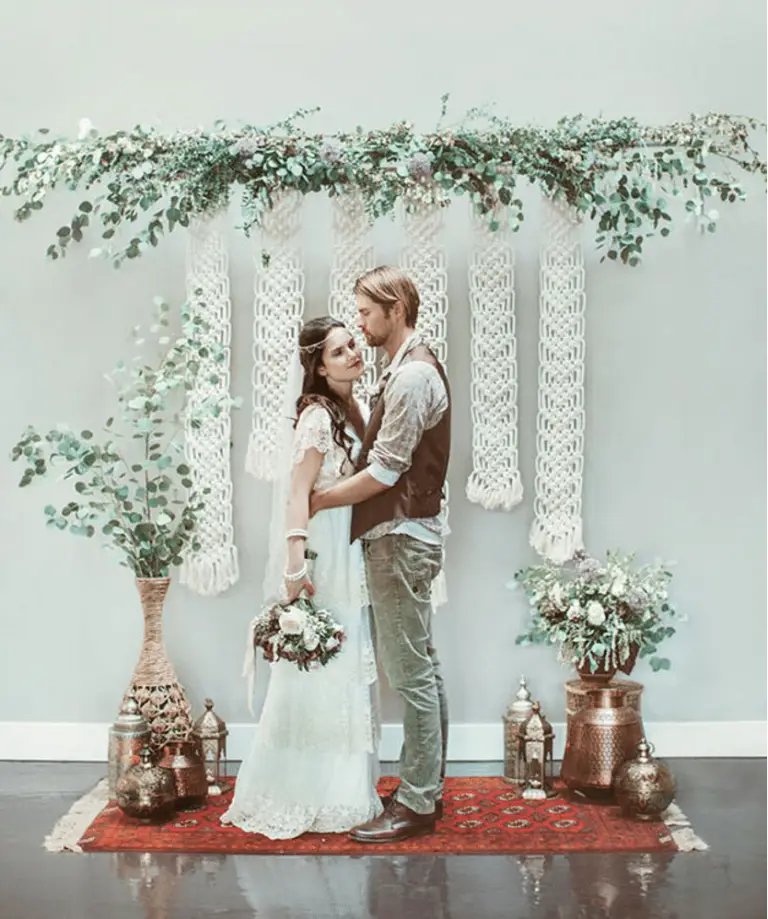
{"x": 87, "y": 741}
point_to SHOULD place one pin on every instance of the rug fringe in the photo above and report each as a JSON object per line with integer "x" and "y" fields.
{"x": 70, "y": 828}
{"x": 681, "y": 831}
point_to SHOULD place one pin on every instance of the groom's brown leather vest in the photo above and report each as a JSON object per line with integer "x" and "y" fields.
{"x": 418, "y": 492}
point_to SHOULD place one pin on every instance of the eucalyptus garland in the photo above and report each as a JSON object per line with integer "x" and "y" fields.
{"x": 618, "y": 173}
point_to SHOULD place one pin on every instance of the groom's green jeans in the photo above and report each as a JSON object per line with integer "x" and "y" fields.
{"x": 400, "y": 572}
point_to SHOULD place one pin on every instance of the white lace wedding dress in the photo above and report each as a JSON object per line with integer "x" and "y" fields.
{"x": 313, "y": 763}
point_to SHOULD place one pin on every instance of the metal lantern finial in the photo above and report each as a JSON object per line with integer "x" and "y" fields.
{"x": 211, "y": 733}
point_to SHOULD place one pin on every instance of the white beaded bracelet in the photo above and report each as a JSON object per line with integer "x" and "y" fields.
{"x": 301, "y": 533}
{"x": 297, "y": 575}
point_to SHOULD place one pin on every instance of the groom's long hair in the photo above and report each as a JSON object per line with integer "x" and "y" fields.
{"x": 314, "y": 388}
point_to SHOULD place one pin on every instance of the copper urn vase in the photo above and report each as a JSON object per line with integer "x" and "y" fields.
{"x": 183, "y": 758}
{"x": 147, "y": 791}
{"x": 644, "y": 787}
{"x": 602, "y": 736}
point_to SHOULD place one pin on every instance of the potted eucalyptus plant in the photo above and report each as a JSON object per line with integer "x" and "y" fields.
{"x": 132, "y": 486}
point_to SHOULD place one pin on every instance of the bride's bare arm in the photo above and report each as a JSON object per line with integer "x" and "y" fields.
{"x": 303, "y": 480}
{"x": 360, "y": 487}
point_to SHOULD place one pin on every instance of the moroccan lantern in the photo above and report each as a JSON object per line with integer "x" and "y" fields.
{"x": 536, "y": 740}
{"x": 211, "y": 733}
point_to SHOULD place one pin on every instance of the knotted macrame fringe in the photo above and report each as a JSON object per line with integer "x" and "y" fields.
{"x": 556, "y": 532}
{"x": 495, "y": 479}
{"x": 423, "y": 258}
{"x": 68, "y": 832}
{"x": 214, "y": 567}
{"x": 681, "y": 831}
{"x": 278, "y": 309}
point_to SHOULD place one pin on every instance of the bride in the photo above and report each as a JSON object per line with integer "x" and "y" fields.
{"x": 313, "y": 762}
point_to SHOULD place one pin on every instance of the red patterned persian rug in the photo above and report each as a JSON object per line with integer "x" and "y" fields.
{"x": 483, "y": 815}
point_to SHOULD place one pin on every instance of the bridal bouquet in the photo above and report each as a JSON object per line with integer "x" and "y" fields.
{"x": 299, "y": 632}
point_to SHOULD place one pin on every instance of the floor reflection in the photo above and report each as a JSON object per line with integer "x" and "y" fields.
{"x": 153, "y": 878}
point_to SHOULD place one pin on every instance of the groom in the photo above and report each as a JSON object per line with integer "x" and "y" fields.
{"x": 396, "y": 497}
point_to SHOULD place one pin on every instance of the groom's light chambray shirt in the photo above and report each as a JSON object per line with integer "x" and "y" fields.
{"x": 415, "y": 401}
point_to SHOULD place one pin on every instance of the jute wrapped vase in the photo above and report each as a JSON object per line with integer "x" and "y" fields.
{"x": 154, "y": 684}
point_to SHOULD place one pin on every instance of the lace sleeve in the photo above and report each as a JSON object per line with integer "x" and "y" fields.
{"x": 312, "y": 430}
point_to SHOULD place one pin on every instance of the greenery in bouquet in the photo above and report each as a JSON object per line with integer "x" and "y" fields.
{"x": 131, "y": 481}
{"x": 298, "y": 632}
{"x": 601, "y": 614}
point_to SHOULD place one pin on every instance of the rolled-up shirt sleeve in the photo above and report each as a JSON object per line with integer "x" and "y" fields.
{"x": 415, "y": 400}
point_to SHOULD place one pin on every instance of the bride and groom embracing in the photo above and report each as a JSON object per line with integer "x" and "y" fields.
{"x": 363, "y": 487}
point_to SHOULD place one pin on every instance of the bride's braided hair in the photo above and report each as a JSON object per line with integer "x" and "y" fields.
{"x": 314, "y": 388}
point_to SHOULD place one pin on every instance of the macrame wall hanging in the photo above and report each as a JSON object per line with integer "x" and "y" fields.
{"x": 352, "y": 256}
{"x": 423, "y": 258}
{"x": 278, "y": 311}
{"x": 556, "y": 532}
{"x": 495, "y": 479}
{"x": 213, "y": 568}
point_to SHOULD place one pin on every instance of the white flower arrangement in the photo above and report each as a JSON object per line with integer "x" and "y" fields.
{"x": 602, "y": 615}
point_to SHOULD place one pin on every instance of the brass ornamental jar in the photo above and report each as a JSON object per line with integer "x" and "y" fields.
{"x": 127, "y": 736}
{"x": 147, "y": 791}
{"x": 644, "y": 787}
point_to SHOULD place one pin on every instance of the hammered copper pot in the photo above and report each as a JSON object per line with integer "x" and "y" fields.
{"x": 146, "y": 791}
{"x": 644, "y": 787}
{"x": 183, "y": 758}
{"x": 602, "y": 736}
{"x": 577, "y": 697}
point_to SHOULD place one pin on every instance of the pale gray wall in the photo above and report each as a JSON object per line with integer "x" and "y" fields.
{"x": 676, "y": 349}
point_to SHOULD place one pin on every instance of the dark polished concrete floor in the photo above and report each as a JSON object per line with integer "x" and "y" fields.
{"x": 725, "y": 800}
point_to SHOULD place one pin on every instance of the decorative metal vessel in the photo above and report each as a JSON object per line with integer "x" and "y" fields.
{"x": 147, "y": 791}
{"x": 577, "y": 697}
{"x": 183, "y": 758}
{"x": 602, "y": 737}
{"x": 644, "y": 787}
{"x": 127, "y": 736}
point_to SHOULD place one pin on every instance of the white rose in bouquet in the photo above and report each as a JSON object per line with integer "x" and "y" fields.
{"x": 332, "y": 643}
{"x": 575, "y": 610}
{"x": 292, "y": 621}
{"x": 311, "y": 641}
{"x": 619, "y": 585}
{"x": 595, "y": 613}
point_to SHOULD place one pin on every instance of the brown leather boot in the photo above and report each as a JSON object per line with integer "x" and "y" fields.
{"x": 385, "y": 799}
{"x": 397, "y": 822}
